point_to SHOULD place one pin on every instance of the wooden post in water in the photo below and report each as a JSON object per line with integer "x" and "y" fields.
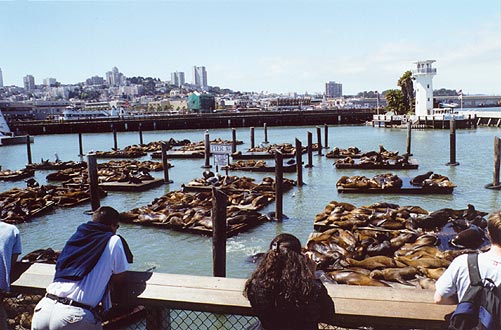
{"x": 299, "y": 163}
{"x": 452, "y": 135}
{"x": 265, "y": 133}
{"x": 497, "y": 162}
{"x": 141, "y": 134}
{"x": 233, "y": 140}
{"x": 319, "y": 141}
{"x": 28, "y": 149}
{"x": 326, "y": 136}
{"x": 80, "y": 145}
{"x": 252, "y": 137}
{"x": 310, "y": 150}
{"x": 409, "y": 130}
{"x": 219, "y": 200}
{"x": 93, "y": 181}
{"x": 165, "y": 162}
{"x": 207, "y": 150}
{"x": 115, "y": 142}
{"x": 279, "y": 177}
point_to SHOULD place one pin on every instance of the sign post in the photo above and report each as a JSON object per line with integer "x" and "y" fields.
{"x": 221, "y": 154}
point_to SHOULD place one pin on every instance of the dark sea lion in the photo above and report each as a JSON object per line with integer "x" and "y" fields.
{"x": 401, "y": 275}
{"x": 470, "y": 238}
{"x": 423, "y": 262}
{"x": 418, "y": 180}
{"x": 436, "y": 219}
{"x": 354, "y": 278}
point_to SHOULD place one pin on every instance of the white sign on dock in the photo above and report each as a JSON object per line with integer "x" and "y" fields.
{"x": 221, "y": 159}
{"x": 220, "y": 149}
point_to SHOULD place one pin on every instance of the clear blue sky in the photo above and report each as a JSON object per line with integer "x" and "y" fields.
{"x": 256, "y": 45}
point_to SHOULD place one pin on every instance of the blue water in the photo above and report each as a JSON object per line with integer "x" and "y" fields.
{"x": 182, "y": 253}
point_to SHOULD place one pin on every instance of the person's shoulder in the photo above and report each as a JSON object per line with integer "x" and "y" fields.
{"x": 8, "y": 226}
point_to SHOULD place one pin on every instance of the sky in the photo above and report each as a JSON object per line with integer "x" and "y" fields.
{"x": 275, "y": 46}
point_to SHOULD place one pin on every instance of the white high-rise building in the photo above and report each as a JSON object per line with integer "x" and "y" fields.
{"x": 29, "y": 82}
{"x": 177, "y": 78}
{"x": 1, "y": 78}
{"x": 423, "y": 75}
{"x": 200, "y": 77}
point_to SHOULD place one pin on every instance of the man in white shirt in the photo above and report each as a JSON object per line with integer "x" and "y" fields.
{"x": 92, "y": 257}
{"x": 451, "y": 286}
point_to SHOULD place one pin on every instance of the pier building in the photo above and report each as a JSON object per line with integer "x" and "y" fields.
{"x": 422, "y": 76}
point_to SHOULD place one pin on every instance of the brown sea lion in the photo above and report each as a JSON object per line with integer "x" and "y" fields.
{"x": 375, "y": 262}
{"x": 425, "y": 262}
{"x": 419, "y": 179}
{"x": 354, "y": 278}
{"x": 426, "y": 283}
{"x": 400, "y": 275}
{"x": 433, "y": 273}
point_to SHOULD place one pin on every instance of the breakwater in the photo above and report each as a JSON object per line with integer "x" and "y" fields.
{"x": 194, "y": 121}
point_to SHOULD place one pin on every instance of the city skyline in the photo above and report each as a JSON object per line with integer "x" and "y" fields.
{"x": 272, "y": 46}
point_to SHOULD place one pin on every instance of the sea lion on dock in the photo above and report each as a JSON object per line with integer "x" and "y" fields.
{"x": 423, "y": 262}
{"x": 419, "y": 179}
{"x": 471, "y": 238}
{"x": 354, "y": 278}
{"x": 401, "y": 275}
{"x": 375, "y": 262}
{"x": 433, "y": 273}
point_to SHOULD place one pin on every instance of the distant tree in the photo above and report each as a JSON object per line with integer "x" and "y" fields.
{"x": 395, "y": 101}
{"x": 444, "y": 92}
{"x": 407, "y": 87}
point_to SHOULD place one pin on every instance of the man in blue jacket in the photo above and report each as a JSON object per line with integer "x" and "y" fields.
{"x": 92, "y": 257}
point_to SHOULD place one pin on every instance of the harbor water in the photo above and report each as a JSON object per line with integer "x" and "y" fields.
{"x": 183, "y": 253}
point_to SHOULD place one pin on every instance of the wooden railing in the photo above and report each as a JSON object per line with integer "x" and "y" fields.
{"x": 355, "y": 305}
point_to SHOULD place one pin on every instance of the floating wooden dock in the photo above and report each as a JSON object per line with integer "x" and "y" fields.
{"x": 17, "y": 175}
{"x": 259, "y": 155}
{"x": 411, "y": 165}
{"x": 56, "y": 165}
{"x": 287, "y": 168}
{"x": 407, "y": 188}
{"x": 132, "y": 187}
{"x": 179, "y": 154}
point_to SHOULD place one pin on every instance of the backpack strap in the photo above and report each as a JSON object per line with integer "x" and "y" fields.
{"x": 473, "y": 269}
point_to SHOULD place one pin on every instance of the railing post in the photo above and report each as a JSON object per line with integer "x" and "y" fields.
{"x": 93, "y": 181}
{"x": 279, "y": 176}
{"x": 28, "y": 149}
{"x": 219, "y": 227}
{"x": 299, "y": 162}
{"x": 165, "y": 162}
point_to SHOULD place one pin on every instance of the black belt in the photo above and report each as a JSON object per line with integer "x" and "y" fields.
{"x": 68, "y": 301}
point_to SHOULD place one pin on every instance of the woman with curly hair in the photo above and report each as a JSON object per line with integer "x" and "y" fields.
{"x": 283, "y": 291}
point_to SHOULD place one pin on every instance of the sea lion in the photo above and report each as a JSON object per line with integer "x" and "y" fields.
{"x": 400, "y": 275}
{"x": 418, "y": 180}
{"x": 426, "y": 283}
{"x": 433, "y": 273}
{"x": 471, "y": 238}
{"x": 423, "y": 262}
{"x": 354, "y": 278}
{"x": 436, "y": 219}
{"x": 375, "y": 262}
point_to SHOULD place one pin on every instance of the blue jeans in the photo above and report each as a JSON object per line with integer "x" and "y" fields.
{"x": 52, "y": 315}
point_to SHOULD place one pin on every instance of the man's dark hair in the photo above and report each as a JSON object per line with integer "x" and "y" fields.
{"x": 106, "y": 215}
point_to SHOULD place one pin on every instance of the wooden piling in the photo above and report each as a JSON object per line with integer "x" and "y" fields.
{"x": 219, "y": 201}
{"x": 319, "y": 141}
{"x": 115, "y": 142}
{"x": 80, "y": 145}
{"x": 326, "y": 136}
{"x": 299, "y": 162}
{"x": 233, "y": 140}
{"x": 409, "y": 130}
{"x": 452, "y": 138}
{"x": 279, "y": 177}
{"x": 141, "y": 134}
{"x": 165, "y": 162}
{"x": 252, "y": 137}
{"x": 310, "y": 150}
{"x": 93, "y": 181}
{"x": 207, "y": 150}
{"x": 497, "y": 162}
{"x": 28, "y": 149}
{"x": 265, "y": 133}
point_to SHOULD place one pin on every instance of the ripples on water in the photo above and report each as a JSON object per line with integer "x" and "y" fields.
{"x": 182, "y": 253}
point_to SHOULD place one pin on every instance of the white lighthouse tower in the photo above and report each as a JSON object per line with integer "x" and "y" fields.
{"x": 423, "y": 75}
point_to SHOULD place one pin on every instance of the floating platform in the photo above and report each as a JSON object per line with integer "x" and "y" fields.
{"x": 179, "y": 154}
{"x": 119, "y": 154}
{"x": 407, "y": 188}
{"x": 259, "y": 155}
{"x": 11, "y": 140}
{"x": 56, "y": 165}
{"x": 411, "y": 165}
{"x": 17, "y": 175}
{"x": 133, "y": 187}
{"x": 287, "y": 168}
